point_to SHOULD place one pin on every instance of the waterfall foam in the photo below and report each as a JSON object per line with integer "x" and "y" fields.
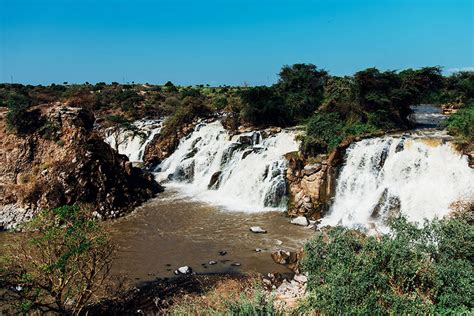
{"x": 130, "y": 143}
{"x": 245, "y": 172}
{"x": 419, "y": 177}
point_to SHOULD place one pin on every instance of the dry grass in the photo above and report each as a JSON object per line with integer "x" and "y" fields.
{"x": 215, "y": 300}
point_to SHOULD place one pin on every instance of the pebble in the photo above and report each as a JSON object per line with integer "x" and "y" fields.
{"x": 258, "y": 250}
{"x": 212, "y": 262}
{"x": 183, "y": 270}
{"x": 222, "y": 252}
{"x": 236, "y": 264}
{"x": 257, "y": 230}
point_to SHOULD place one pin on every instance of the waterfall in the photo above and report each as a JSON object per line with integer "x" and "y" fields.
{"x": 245, "y": 172}
{"x": 419, "y": 177}
{"x": 132, "y": 142}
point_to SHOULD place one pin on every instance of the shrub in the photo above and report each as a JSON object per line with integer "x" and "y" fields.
{"x": 20, "y": 118}
{"x": 190, "y": 109}
{"x": 412, "y": 270}
{"x": 461, "y": 123}
{"x": 58, "y": 264}
{"x": 219, "y": 102}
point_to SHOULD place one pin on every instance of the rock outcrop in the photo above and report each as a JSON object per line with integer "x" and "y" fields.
{"x": 311, "y": 181}
{"x": 72, "y": 165}
{"x": 161, "y": 147}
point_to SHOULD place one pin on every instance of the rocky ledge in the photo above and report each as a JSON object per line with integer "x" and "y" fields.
{"x": 71, "y": 165}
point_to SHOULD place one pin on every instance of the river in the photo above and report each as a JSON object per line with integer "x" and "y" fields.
{"x": 173, "y": 230}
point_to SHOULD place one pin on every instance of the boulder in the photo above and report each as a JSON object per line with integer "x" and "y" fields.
{"x": 300, "y": 220}
{"x": 300, "y": 278}
{"x": 257, "y": 230}
{"x": 183, "y": 270}
{"x": 284, "y": 257}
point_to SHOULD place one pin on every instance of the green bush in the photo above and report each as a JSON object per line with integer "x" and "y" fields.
{"x": 58, "y": 264}
{"x": 461, "y": 123}
{"x": 324, "y": 131}
{"x": 412, "y": 270}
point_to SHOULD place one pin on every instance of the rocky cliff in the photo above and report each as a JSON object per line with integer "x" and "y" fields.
{"x": 161, "y": 148}
{"x": 71, "y": 165}
{"x": 312, "y": 180}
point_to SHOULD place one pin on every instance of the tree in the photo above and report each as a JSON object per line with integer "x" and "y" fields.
{"x": 380, "y": 95}
{"x": 59, "y": 264}
{"x": 264, "y": 106}
{"x": 302, "y": 86}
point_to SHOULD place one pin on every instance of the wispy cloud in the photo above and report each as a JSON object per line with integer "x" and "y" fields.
{"x": 467, "y": 68}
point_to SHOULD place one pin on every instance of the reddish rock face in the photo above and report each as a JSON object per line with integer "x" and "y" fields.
{"x": 74, "y": 166}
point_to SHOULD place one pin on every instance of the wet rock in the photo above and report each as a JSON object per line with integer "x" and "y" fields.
{"x": 400, "y": 145}
{"x": 212, "y": 262}
{"x": 246, "y": 140}
{"x": 246, "y": 153}
{"x": 300, "y": 220}
{"x": 276, "y": 194}
{"x": 258, "y": 149}
{"x": 214, "y": 182}
{"x": 191, "y": 153}
{"x": 229, "y": 152}
{"x": 222, "y": 253}
{"x": 257, "y": 230}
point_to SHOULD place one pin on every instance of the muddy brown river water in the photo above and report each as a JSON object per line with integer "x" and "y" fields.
{"x": 173, "y": 231}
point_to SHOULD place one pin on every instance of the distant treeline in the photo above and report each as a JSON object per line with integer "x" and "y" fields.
{"x": 331, "y": 107}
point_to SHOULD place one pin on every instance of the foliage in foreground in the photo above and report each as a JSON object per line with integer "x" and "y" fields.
{"x": 410, "y": 271}
{"x": 58, "y": 264}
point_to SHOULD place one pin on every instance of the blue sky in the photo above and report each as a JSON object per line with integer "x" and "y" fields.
{"x": 227, "y": 41}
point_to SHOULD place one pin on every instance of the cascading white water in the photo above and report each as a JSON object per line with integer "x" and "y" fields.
{"x": 246, "y": 172}
{"x": 419, "y": 177}
{"x": 133, "y": 143}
